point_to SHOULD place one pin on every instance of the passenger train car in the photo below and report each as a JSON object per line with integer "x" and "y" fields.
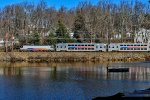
{"x": 128, "y": 47}
{"x": 80, "y": 47}
{"x": 37, "y": 48}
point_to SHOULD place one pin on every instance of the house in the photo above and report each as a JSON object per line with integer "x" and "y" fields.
{"x": 128, "y": 34}
{"x": 1, "y": 42}
{"x": 71, "y": 35}
{"x": 142, "y": 36}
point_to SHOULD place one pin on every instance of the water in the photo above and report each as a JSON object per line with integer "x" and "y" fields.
{"x": 71, "y": 81}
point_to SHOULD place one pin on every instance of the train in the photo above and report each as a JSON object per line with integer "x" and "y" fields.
{"x": 99, "y": 47}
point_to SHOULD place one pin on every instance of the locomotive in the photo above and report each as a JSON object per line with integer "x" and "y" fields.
{"x": 37, "y": 48}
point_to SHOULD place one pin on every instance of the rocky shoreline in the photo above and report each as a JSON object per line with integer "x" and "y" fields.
{"x": 74, "y": 56}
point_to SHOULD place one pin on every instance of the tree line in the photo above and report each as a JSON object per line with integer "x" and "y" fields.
{"x": 41, "y": 24}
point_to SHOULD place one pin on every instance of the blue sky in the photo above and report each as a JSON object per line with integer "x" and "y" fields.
{"x": 54, "y": 3}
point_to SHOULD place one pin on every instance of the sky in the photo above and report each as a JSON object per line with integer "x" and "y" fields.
{"x": 52, "y": 3}
{"x": 55, "y": 3}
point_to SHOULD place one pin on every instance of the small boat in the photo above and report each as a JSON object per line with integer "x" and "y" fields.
{"x": 118, "y": 69}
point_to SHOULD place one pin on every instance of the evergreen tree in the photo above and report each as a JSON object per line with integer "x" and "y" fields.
{"x": 36, "y": 39}
{"x": 79, "y": 26}
{"x": 51, "y": 39}
{"x": 61, "y": 32}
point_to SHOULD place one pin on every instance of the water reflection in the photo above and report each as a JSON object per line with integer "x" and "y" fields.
{"x": 78, "y": 71}
{"x": 69, "y": 81}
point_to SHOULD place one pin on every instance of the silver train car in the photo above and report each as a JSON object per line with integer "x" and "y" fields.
{"x": 81, "y": 47}
{"x": 128, "y": 47}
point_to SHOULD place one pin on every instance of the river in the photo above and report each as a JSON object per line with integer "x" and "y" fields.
{"x": 69, "y": 81}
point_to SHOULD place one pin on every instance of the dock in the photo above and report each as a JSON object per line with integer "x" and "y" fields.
{"x": 117, "y": 69}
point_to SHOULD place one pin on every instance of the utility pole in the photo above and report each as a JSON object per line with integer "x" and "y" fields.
{"x": 6, "y": 43}
{"x": 12, "y": 42}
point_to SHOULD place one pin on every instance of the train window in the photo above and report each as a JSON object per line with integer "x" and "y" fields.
{"x": 131, "y": 48}
{"x": 97, "y": 47}
{"x": 145, "y": 48}
{"x": 85, "y": 45}
{"x": 142, "y": 49}
{"x": 85, "y": 48}
{"x": 128, "y": 48}
{"x": 82, "y": 45}
{"x": 70, "y": 48}
{"x": 116, "y": 46}
{"x": 60, "y": 46}
{"x": 90, "y": 48}
{"x": 138, "y": 48}
{"x": 92, "y": 45}
{"x": 57, "y": 46}
{"x": 65, "y": 46}
{"x": 121, "y": 45}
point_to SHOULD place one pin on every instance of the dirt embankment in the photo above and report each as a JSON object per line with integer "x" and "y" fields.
{"x": 74, "y": 56}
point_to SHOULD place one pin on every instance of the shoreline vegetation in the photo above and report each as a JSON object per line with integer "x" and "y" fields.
{"x": 35, "y": 57}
